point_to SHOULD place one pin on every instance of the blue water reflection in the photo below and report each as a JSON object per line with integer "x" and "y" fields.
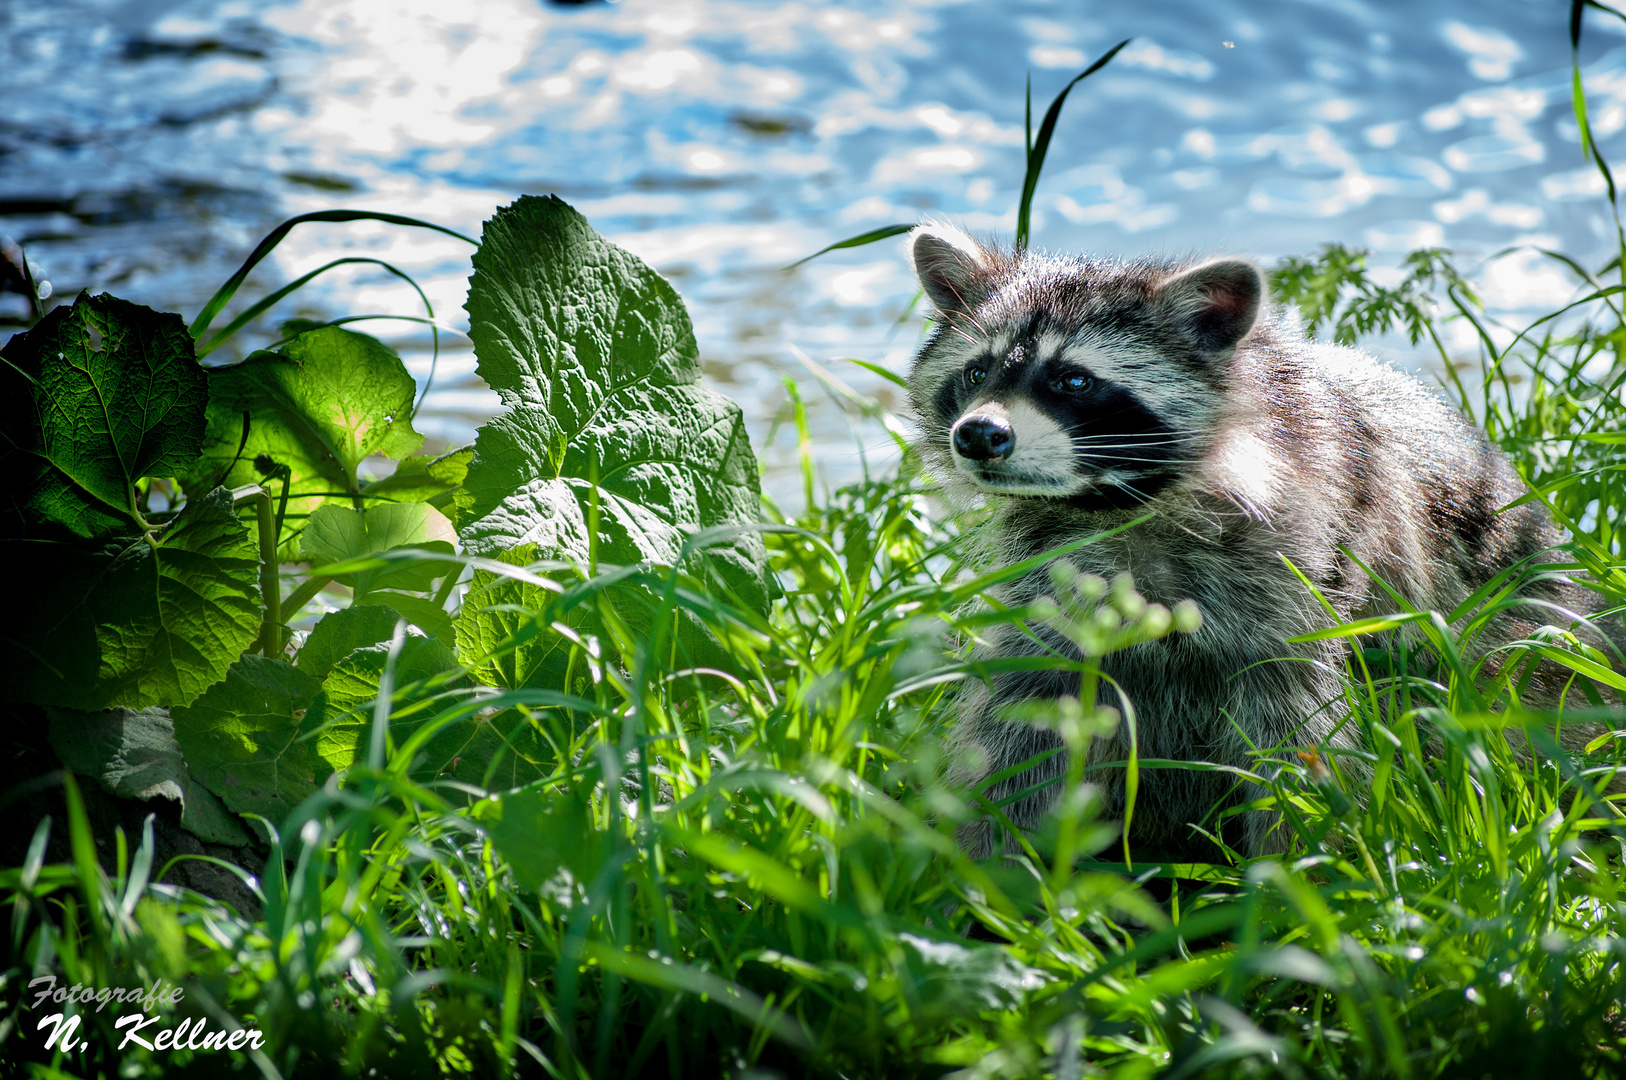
{"x": 145, "y": 145}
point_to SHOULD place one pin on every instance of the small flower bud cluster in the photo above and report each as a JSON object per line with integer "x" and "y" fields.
{"x": 1101, "y": 618}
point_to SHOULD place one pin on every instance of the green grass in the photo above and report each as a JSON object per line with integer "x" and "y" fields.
{"x": 746, "y": 864}
{"x": 753, "y": 866}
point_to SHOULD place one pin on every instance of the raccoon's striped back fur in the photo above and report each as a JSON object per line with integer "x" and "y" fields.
{"x": 1074, "y": 395}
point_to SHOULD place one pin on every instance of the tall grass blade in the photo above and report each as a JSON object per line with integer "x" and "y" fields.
{"x": 1589, "y": 145}
{"x": 1040, "y": 145}
{"x": 224, "y": 295}
{"x": 204, "y": 348}
{"x": 871, "y": 237}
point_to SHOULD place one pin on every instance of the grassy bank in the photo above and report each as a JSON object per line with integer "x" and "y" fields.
{"x": 566, "y": 790}
{"x": 745, "y": 860}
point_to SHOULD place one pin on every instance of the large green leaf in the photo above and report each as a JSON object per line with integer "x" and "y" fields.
{"x": 337, "y": 534}
{"x": 339, "y": 633}
{"x": 329, "y": 399}
{"x": 95, "y": 397}
{"x": 498, "y": 609}
{"x": 420, "y": 478}
{"x": 134, "y": 755}
{"x": 492, "y": 752}
{"x": 241, "y": 738}
{"x": 342, "y": 714}
{"x": 539, "y": 832}
{"x": 956, "y": 979}
{"x": 136, "y": 620}
{"x": 502, "y": 750}
{"x": 594, "y": 355}
{"x": 420, "y": 611}
{"x": 506, "y": 628}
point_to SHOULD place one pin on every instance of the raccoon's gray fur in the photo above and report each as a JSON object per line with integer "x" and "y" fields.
{"x": 1074, "y": 395}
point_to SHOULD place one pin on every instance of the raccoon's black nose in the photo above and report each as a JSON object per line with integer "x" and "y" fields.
{"x": 982, "y": 438}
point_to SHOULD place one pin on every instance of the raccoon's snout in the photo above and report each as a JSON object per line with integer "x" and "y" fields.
{"x": 984, "y": 438}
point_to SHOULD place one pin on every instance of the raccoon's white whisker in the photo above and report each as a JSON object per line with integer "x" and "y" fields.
{"x": 1143, "y": 435}
{"x": 1138, "y": 496}
{"x": 1127, "y": 445}
{"x": 1100, "y": 449}
{"x": 1147, "y": 460}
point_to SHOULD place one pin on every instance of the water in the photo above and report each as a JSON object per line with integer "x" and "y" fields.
{"x": 146, "y": 145}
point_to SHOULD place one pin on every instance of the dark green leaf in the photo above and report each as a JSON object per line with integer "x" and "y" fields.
{"x": 95, "y": 397}
{"x": 342, "y": 713}
{"x": 420, "y": 611}
{"x": 339, "y": 633}
{"x": 329, "y": 399}
{"x": 538, "y": 833}
{"x": 134, "y": 755}
{"x": 504, "y": 628}
{"x": 594, "y": 355}
{"x": 497, "y": 609}
{"x": 962, "y": 979}
{"x": 479, "y": 749}
{"x": 133, "y": 621}
{"x": 241, "y": 738}
{"x": 496, "y": 753}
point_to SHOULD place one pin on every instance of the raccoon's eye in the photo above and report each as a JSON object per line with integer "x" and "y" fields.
{"x": 976, "y": 375}
{"x": 1071, "y": 384}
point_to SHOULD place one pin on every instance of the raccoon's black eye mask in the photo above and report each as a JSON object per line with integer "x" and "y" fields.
{"x": 1061, "y": 382}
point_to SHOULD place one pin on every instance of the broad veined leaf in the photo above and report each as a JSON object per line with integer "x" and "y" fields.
{"x": 594, "y": 355}
{"x": 336, "y": 534}
{"x": 242, "y": 737}
{"x": 134, "y": 755}
{"x": 963, "y": 979}
{"x": 342, "y": 714}
{"x": 329, "y": 399}
{"x": 497, "y": 609}
{"x": 421, "y": 479}
{"x": 516, "y": 634}
{"x": 500, "y": 749}
{"x": 420, "y": 611}
{"x": 95, "y": 397}
{"x": 339, "y": 633}
{"x": 539, "y": 832}
{"x": 508, "y": 630}
{"x": 496, "y": 752}
{"x": 134, "y": 621}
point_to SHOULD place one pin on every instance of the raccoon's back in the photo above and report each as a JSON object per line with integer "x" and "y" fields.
{"x": 1332, "y": 451}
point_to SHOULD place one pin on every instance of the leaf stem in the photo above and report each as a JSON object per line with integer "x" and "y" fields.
{"x": 302, "y": 595}
{"x": 271, "y": 628}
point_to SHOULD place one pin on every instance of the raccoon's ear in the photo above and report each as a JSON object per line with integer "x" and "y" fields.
{"x": 1216, "y": 302}
{"x": 954, "y": 270}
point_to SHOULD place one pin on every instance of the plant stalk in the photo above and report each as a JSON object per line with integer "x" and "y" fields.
{"x": 307, "y": 589}
{"x": 271, "y": 629}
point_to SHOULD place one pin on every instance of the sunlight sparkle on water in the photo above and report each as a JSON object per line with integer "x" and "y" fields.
{"x": 724, "y": 139}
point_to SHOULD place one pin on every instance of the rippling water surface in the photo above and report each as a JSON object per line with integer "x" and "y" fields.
{"x": 146, "y": 145}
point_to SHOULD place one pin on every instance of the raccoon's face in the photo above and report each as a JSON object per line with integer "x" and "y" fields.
{"x": 1051, "y": 378}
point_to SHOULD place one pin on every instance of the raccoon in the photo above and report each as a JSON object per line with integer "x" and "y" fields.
{"x": 1073, "y": 395}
